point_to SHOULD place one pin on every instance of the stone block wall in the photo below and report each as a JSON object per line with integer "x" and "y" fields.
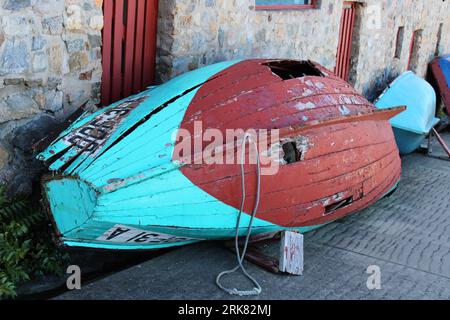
{"x": 376, "y": 64}
{"x": 199, "y": 32}
{"x": 50, "y": 64}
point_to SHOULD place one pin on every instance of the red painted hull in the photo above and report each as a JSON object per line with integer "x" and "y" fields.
{"x": 441, "y": 82}
{"x": 349, "y": 157}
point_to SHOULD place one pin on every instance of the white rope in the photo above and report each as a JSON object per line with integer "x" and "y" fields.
{"x": 241, "y": 256}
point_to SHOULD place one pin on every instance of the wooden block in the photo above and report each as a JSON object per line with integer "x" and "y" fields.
{"x": 291, "y": 253}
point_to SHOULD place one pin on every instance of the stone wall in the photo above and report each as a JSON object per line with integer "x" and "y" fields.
{"x": 199, "y": 32}
{"x": 376, "y": 65}
{"x": 50, "y": 64}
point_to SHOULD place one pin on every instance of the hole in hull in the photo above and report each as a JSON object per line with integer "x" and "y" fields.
{"x": 338, "y": 205}
{"x": 287, "y": 69}
{"x": 291, "y": 153}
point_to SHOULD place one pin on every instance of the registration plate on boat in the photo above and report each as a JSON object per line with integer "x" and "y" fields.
{"x": 125, "y": 234}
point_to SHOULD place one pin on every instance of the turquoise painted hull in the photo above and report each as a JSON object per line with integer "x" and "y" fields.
{"x": 413, "y": 125}
{"x": 74, "y": 222}
{"x": 206, "y": 234}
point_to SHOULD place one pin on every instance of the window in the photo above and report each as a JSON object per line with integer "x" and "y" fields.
{"x": 285, "y": 4}
{"x": 416, "y": 40}
{"x": 399, "y": 43}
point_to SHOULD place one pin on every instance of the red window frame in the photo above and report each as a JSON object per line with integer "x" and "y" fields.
{"x": 313, "y": 5}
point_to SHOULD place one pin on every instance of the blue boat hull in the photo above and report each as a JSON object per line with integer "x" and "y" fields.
{"x": 413, "y": 125}
{"x": 408, "y": 141}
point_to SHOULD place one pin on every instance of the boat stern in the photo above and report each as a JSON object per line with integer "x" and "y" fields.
{"x": 70, "y": 203}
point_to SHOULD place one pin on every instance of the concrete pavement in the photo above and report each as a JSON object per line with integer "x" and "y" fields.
{"x": 407, "y": 235}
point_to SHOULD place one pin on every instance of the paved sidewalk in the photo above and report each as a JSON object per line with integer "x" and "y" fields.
{"x": 407, "y": 235}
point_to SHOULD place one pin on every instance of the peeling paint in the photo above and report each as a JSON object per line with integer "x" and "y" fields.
{"x": 320, "y": 85}
{"x": 305, "y": 106}
{"x": 344, "y": 110}
{"x": 307, "y": 92}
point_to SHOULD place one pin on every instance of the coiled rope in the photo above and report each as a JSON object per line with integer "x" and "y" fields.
{"x": 241, "y": 256}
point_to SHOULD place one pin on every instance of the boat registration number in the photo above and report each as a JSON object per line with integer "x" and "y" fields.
{"x": 125, "y": 234}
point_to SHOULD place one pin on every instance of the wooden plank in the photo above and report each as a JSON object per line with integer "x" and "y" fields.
{"x": 343, "y": 56}
{"x": 209, "y": 213}
{"x": 108, "y": 9}
{"x": 384, "y": 187}
{"x": 139, "y": 47}
{"x": 166, "y": 120}
{"x": 346, "y": 55}
{"x": 441, "y": 142}
{"x": 344, "y": 45}
{"x": 275, "y": 94}
{"x": 291, "y": 253}
{"x": 303, "y": 191}
{"x": 45, "y": 142}
{"x": 256, "y": 256}
{"x": 129, "y": 48}
{"x": 117, "y": 51}
{"x": 151, "y": 19}
{"x": 350, "y": 42}
{"x": 340, "y": 46}
{"x": 327, "y": 156}
{"x": 262, "y": 251}
{"x": 299, "y": 191}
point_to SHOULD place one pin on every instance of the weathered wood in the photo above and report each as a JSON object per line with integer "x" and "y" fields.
{"x": 129, "y": 47}
{"x": 288, "y": 258}
{"x": 291, "y": 253}
{"x": 342, "y": 68}
{"x": 108, "y": 12}
{"x": 151, "y": 21}
{"x": 139, "y": 46}
{"x": 347, "y": 157}
{"x": 441, "y": 142}
{"x": 255, "y": 256}
{"x": 442, "y": 77}
{"x": 43, "y": 144}
{"x": 117, "y": 51}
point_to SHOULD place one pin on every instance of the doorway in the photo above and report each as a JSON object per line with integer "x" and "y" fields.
{"x": 129, "y": 47}
{"x": 346, "y": 32}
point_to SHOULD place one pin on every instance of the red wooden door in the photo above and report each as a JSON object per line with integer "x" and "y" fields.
{"x": 342, "y": 69}
{"x": 129, "y": 47}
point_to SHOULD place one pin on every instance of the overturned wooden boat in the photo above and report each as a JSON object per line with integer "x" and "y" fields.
{"x": 412, "y": 126}
{"x": 440, "y": 68}
{"x": 119, "y": 183}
